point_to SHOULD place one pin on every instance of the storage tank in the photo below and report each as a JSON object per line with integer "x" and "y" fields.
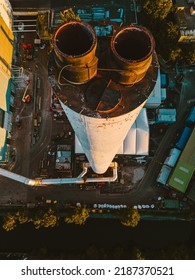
{"x": 103, "y": 107}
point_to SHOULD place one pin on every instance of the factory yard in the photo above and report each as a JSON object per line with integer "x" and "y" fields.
{"x": 35, "y": 143}
{"x": 42, "y": 137}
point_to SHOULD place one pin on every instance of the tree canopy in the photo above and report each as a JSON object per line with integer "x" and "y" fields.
{"x": 9, "y": 222}
{"x": 69, "y": 15}
{"x": 48, "y": 219}
{"x": 130, "y": 217}
{"x": 157, "y": 9}
{"x": 79, "y": 217}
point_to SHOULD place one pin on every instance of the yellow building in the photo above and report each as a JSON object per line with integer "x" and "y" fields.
{"x": 6, "y": 53}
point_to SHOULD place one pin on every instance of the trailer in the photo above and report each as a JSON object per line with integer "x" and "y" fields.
{"x": 184, "y": 138}
{"x": 191, "y": 117}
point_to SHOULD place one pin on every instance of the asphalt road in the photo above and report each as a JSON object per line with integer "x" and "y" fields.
{"x": 46, "y": 115}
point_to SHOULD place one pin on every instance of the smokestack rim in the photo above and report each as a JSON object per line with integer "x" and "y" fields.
{"x": 133, "y": 28}
{"x": 84, "y": 25}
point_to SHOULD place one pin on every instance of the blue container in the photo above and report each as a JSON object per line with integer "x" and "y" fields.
{"x": 184, "y": 138}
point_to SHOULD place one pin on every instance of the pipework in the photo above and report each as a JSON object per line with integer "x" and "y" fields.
{"x": 62, "y": 181}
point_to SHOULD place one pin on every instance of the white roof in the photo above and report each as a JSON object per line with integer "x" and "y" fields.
{"x": 6, "y": 12}
{"x": 154, "y": 99}
{"x": 136, "y": 141}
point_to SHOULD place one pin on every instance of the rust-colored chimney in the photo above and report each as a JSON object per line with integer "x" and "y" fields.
{"x": 132, "y": 49}
{"x": 75, "y": 46}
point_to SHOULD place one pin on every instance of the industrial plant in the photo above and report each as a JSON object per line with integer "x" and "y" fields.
{"x": 102, "y": 92}
{"x": 87, "y": 104}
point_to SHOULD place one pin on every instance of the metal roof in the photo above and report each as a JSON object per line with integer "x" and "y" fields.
{"x": 185, "y": 167}
{"x": 164, "y": 174}
{"x": 154, "y": 99}
{"x": 6, "y": 50}
{"x": 173, "y": 157}
{"x": 2, "y": 142}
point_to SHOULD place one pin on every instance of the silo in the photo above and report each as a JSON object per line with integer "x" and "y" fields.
{"x": 103, "y": 107}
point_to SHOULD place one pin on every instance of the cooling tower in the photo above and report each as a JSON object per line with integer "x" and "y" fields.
{"x": 103, "y": 102}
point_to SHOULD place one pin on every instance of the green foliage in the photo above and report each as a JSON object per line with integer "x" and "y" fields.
{"x": 48, "y": 219}
{"x": 43, "y": 31}
{"x": 137, "y": 254}
{"x": 172, "y": 31}
{"x": 69, "y": 15}
{"x": 158, "y": 9}
{"x": 79, "y": 217}
{"x": 175, "y": 54}
{"x": 189, "y": 53}
{"x": 158, "y": 16}
{"x": 22, "y": 217}
{"x": 9, "y": 222}
{"x": 130, "y": 217}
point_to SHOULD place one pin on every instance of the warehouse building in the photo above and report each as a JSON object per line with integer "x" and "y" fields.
{"x": 185, "y": 167}
{"x": 6, "y": 52}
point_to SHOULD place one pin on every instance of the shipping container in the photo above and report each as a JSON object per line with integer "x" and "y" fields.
{"x": 184, "y": 138}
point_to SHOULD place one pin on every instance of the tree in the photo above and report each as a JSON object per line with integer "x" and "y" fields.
{"x": 189, "y": 53}
{"x": 9, "y": 222}
{"x": 22, "y": 217}
{"x": 157, "y": 9}
{"x": 42, "y": 26}
{"x": 79, "y": 217}
{"x": 48, "y": 219}
{"x": 172, "y": 31}
{"x": 137, "y": 254}
{"x": 175, "y": 54}
{"x": 69, "y": 15}
{"x": 130, "y": 217}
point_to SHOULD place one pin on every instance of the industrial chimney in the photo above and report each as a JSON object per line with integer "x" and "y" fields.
{"x": 132, "y": 49}
{"x": 103, "y": 103}
{"x": 75, "y": 46}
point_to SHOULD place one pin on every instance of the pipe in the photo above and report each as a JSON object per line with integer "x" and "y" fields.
{"x": 132, "y": 49}
{"x": 85, "y": 169}
{"x": 59, "y": 181}
{"x": 74, "y": 48}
